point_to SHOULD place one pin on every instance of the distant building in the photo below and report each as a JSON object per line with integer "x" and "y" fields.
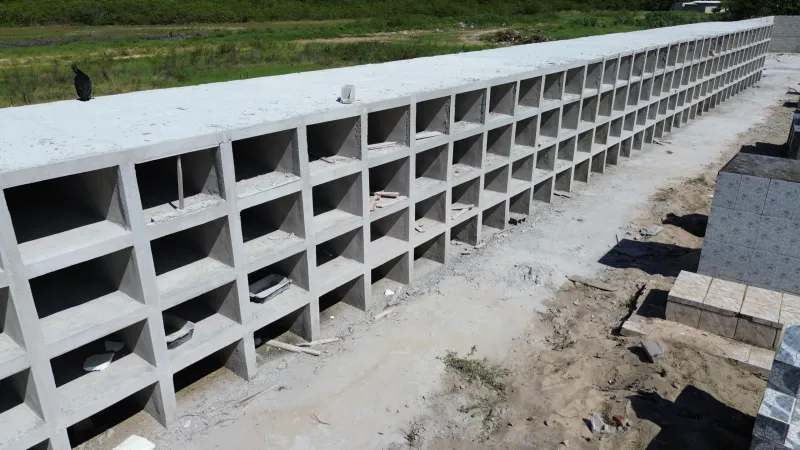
{"x": 704, "y": 6}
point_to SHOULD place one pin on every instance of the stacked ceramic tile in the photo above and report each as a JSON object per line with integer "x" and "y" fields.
{"x": 753, "y": 233}
{"x": 748, "y": 314}
{"x": 777, "y": 425}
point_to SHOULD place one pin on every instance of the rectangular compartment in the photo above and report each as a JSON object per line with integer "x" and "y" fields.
{"x": 610, "y": 72}
{"x": 585, "y": 141}
{"x": 466, "y": 232}
{"x": 573, "y": 84}
{"x": 543, "y": 191}
{"x": 594, "y": 78}
{"x": 158, "y": 184}
{"x": 337, "y": 202}
{"x": 467, "y": 156}
{"x": 502, "y": 99}
{"x": 521, "y": 173}
{"x": 388, "y": 130}
{"x": 470, "y": 109}
{"x": 530, "y": 92}
{"x": 673, "y": 55}
{"x": 429, "y": 255}
{"x": 589, "y": 111}
{"x": 553, "y": 87}
{"x": 525, "y": 135}
{"x": 546, "y": 159}
{"x": 272, "y": 226}
{"x": 563, "y": 180}
{"x": 599, "y": 162}
{"x": 20, "y": 411}
{"x": 82, "y": 302}
{"x": 433, "y": 116}
{"x": 431, "y": 170}
{"x": 570, "y": 116}
{"x": 606, "y": 103}
{"x": 498, "y": 145}
{"x": 337, "y": 141}
{"x": 630, "y": 121}
{"x": 620, "y": 98}
{"x": 600, "y": 137}
{"x": 264, "y": 162}
{"x": 616, "y": 128}
{"x": 581, "y": 172}
{"x": 340, "y": 259}
{"x": 667, "y": 84}
{"x": 647, "y": 87}
{"x": 214, "y": 316}
{"x": 638, "y": 64}
{"x": 131, "y": 369}
{"x": 641, "y": 117}
{"x": 633, "y": 94}
{"x": 495, "y": 185}
{"x": 549, "y": 124}
{"x": 650, "y": 63}
{"x": 566, "y": 153}
{"x": 342, "y": 302}
{"x": 190, "y": 257}
{"x": 520, "y": 203}
{"x": 393, "y": 176}
{"x": 58, "y": 216}
{"x": 12, "y": 354}
{"x": 662, "y": 106}
{"x": 625, "y": 147}
{"x": 624, "y": 73}
{"x": 465, "y": 196}
{"x": 430, "y": 216}
{"x": 494, "y": 217}
{"x": 612, "y": 155}
{"x": 638, "y": 140}
{"x": 652, "y": 112}
{"x": 392, "y": 274}
{"x": 279, "y": 301}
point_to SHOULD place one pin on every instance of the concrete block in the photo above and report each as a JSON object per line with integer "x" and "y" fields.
{"x": 719, "y": 324}
{"x": 724, "y": 297}
{"x": 757, "y": 334}
{"x": 689, "y": 288}
{"x": 681, "y": 313}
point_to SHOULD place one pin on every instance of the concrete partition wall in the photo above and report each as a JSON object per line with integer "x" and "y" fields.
{"x": 278, "y": 178}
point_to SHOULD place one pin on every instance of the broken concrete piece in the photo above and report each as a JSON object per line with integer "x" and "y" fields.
{"x": 632, "y": 329}
{"x": 517, "y": 218}
{"x": 652, "y": 230}
{"x": 428, "y": 134}
{"x": 269, "y": 287}
{"x": 381, "y": 145}
{"x": 178, "y": 330}
{"x": 97, "y": 363}
{"x": 135, "y": 442}
{"x": 382, "y": 315}
{"x": 348, "y": 94}
{"x": 654, "y": 350}
{"x": 419, "y": 228}
{"x": 387, "y": 194}
{"x": 596, "y": 423}
{"x": 388, "y": 292}
{"x": 292, "y": 348}
{"x": 113, "y": 346}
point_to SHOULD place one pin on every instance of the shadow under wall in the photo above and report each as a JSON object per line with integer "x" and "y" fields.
{"x": 766, "y": 149}
{"x": 696, "y": 420}
{"x": 653, "y": 258}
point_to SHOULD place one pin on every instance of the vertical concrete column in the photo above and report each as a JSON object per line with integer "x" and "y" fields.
{"x": 309, "y": 326}
{"x": 366, "y": 292}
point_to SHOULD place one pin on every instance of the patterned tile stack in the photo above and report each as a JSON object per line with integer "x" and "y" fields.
{"x": 753, "y": 233}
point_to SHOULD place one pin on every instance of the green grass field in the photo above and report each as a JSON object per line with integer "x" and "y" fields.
{"x": 35, "y": 61}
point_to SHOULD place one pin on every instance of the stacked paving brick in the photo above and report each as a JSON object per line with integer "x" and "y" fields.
{"x": 753, "y": 233}
{"x": 777, "y": 425}
{"x": 282, "y": 182}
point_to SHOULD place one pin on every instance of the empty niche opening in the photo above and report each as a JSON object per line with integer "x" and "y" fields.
{"x": 693, "y": 73}
{"x": 625, "y": 147}
{"x": 589, "y": 110}
{"x": 633, "y": 94}
{"x": 690, "y": 51}
{"x": 701, "y": 71}
{"x": 430, "y": 213}
{"x": 582, "y": 171}
{"x": 687, "y": 72}
{"x": 647, "y": 87}
{"x": 573, "y": 86}
{"x": 431, "y": 168}
{"x": 673, "y": 55}
{"x": 612, "y": 155}
{"x": 522, "y": 171}
{"x": 659, "y": 80}
{"x": 465, "y": 195}
{"x": 19, "y": 403}
{"x": 546, "y": 159}
{"x": 616, "y": 128}
{"x": 127, "y": 355}
{"x": 467, "y": 154}
{"x": 598, "y": 162}
{"x": 610, "y": 72}
{"x": 390, "y": 177}
{"x": 520, "y": 203}
{"x": 502, "y": 99}
{"x": 681, "y": 98}
{"x": 498, "y": 144}
{"x": 543, "y": 191}
{"x": 465, "y": 232}
{"x": 10, "y": 332}
{"x": 630, "y": 121}
{"x": 566, "y": 150}
{"x": 682, "y": 52}
{"x": 89, "y": 200}
{"x": 585, "y": 141}
{"x": 93, "y": 428}
{"x": 336, "y": 201}
{"x": 652, "y": 113}
{"x": 191, "y": 325}
{"x": 659, "y": 131}
{"x": 549, "y": 124}
{"x": 272, "y": 225}
{"x": 601, "y": 134}
{"x": 433, "y": 116}
{"x": 620, "y": 98}
{"x": 343, "y": 303}
{"x": 494, "y": 217}
{"x": 624, "y": 68}
{"x": 158, "y": 183}
{"x": 650, "y": 63}
{"x": 563, "y": 181}
{"x": 283, "y": 282}
{"x": 606, "y": 103}
{"x": 390, "y": 233}
{"x": 470, "y": 107}
{"x": 289, "y": 329}
{"x": 661, "y": 62}
{"x": 530, "y": 92}
{"x": 570, "y": 115}
{"x": 673, "y": 102}
{"x": 707, "y": 69}
{"x": 208, "y": 369}
{"x": 264, "y": 162}
{"x": 648, "y": 135}
{"x": 392, "y": 274}
{"x": 594, "y": 77}
{"x": 192, "y": 255}
{"x": 553, "y": 86}
{"x": 667, "y": 85}
{"x": 388, "y": 128}
{"x": 429, "y": 256}
{"x": 336, "y": 141}
{"x": 638, "y": 140}
{"x": 638, "y": 64}
{"x": 341, "y": 254}
{"x": 676, "y": 79}
{"x": 496, "y": 181}
{"x": 641, "y": 116}
{"x": 90, "y": 293}
{"x": 676, "y": 122}
{"x": 525, "y": 134}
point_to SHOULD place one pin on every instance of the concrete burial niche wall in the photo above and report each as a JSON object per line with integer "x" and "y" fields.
{"x": 279, "y": 184}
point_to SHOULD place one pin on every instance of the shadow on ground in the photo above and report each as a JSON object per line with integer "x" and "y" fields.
{"x": 653, "y": 258}
{"x": 765, "y": 149}
{"x": 691, "y": 223}
{"x": 696, "y": 420}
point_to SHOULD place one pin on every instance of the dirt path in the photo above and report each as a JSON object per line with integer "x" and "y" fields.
{"x": 385, "y": 383}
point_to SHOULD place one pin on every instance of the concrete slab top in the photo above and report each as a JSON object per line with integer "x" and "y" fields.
{"x": 762, "y": 166}
{"x": 40, "y": 135}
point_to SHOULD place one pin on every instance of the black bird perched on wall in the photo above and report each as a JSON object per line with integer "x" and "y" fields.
{"x": 83, "y": 84}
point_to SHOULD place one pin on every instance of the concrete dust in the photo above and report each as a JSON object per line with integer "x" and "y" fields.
{"x": 385, "y": 385}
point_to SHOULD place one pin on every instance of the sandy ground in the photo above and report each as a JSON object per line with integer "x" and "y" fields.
{"x": 385, "y": 385}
